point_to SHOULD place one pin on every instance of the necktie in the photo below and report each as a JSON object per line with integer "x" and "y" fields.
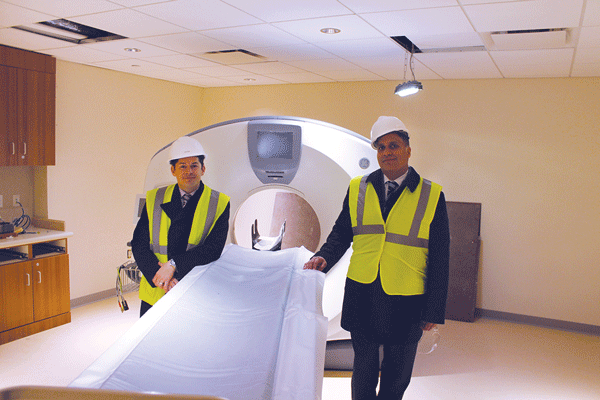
{"x": 185, "y": 198}
{"x": 391, "y": 187}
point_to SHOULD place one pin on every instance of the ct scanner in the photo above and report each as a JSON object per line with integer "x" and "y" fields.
{"x": 312, "y": 159}
{"x": 253, "y": 324}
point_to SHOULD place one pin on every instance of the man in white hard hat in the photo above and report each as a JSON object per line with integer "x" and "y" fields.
{"x": 182, "y": 225}
{"x": 397, "y": 279}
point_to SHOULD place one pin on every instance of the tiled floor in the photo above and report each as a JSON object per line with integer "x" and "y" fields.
{"x": 485, "y": 360}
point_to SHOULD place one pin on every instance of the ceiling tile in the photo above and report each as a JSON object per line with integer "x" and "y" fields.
{"x": 351, "y": 75}
{"x": 172, "y": 74}
{"x": 587, "y": 69}
{"x": 11, "y": 15}
{"x": 188, "y": 43}
{"x": 29, "y": 41}
{"x": 66, "y": 8}
{"x": 296, "y": 52}
{"x": 133, "y": 66}
{"x": 273, "y": 11}
{"x": 534, "y": 63}
{"x": 331, "y": 64}
{"x": 82, "y": 54}
{"x": 268, "y": 68}
{"x": 180, "y": 61}
{"x": 129, "y": 23}
{"x": 199, "y": 15}
{"x": 300, "y": 77}
{"x": 536, "y": 71}
{"x": 175, "y": 36}
{"x": 250, "y": 79}
{"x": 118, "y": 47}
{"x": 395, "y": 69}
{"x": 362, "y": 6}
{"x": 375, "y": 47}
{"x": 218, "y": 71}
{"x": 592, "y": 13}
{"x": 467, "y": 2}
{"x": 351, "y": 27}
{"x": 243, "y": 37}
{"x": 462, "y": 65}
{"x": 209, "y": 81}
{"x": 432, "y": 21}
{"x": 454, "y": 40}
{"x": 589, "y": 37}
{"x": 522, "y": 15}
{"x": 587, "y": 55}
{"x": 134, "y": 3}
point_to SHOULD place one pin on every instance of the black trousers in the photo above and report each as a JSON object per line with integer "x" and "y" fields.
{"x": 396, "y": 366}
{"x": 144, "y": 307}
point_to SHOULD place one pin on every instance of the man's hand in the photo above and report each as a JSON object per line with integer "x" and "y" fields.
{"x": 163, "y": 277}
{"x": 317, "y": 263}
{"x": 172, "y": 284}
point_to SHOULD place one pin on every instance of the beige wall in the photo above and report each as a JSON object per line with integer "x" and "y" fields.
{"x": 526, "y": 149}
{"x": 16, "y": 180}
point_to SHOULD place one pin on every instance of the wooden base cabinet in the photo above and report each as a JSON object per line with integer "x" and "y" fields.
{"x": 34, "y": 296}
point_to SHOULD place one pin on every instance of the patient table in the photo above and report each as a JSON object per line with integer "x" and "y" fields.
{"x": 247, "y": 326}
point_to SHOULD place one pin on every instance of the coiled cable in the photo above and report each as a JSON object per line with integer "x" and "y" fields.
{"x": 23, "y": 221}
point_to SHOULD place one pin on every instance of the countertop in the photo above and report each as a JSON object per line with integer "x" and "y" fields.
{"x": 41, "y": 235}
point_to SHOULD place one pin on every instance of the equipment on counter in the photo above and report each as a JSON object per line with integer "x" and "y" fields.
{"x": 6, "y": 227}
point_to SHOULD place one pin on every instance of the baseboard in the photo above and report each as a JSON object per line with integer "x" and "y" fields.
{"x": 92, "y": 298}
{"x": 479, "y": 313}
{"x": 539, "y": 321}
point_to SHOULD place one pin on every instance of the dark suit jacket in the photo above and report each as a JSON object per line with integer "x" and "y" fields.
{"x": 367, "y": 308}
{"x": 179, "y": 232}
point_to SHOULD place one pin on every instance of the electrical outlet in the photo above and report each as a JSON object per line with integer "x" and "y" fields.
{"x": 16, "y": 200}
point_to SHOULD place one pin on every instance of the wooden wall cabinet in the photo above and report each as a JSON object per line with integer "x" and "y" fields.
{"x": 27, "y": 108}
{"x": 34, "y": 293}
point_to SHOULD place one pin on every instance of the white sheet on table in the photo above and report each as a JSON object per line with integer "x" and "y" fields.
{"x": 248, "y": 326}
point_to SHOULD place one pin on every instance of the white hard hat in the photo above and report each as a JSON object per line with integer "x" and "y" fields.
{"x": 385, "y": 125}
{"x": 184, "y": 147}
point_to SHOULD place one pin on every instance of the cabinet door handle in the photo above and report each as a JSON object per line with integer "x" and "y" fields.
{"x": 28, "y": 279}
{"x": 39, "y": 276}
{"x": 24, "y": 148}
{"x": 13, "y": 148}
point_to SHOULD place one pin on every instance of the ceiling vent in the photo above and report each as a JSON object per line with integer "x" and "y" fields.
{"x": 233, "y": 57}
{"x": 69, "y": 31}
{"x": 409, "y": 46}
{"x": 532, "y": 39}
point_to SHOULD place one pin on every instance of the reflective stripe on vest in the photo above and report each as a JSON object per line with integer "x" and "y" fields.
{"x": 210, "y": 207}
{"x": 397, "y": 248}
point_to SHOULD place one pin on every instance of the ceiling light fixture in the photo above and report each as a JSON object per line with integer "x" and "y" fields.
{"x": 132, "y": 49}
{"x": 330, "y": 31}
{"x": 407, "y": 88}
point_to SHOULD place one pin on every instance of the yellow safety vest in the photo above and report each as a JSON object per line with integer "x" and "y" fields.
{"x": 210, "y": 207}
{"x": 397, "y": 247}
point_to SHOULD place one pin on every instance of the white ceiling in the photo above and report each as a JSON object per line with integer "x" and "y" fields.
{"x": 174, "y": 36}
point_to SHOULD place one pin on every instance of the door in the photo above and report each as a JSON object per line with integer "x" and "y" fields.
{"x": 51, "y": 294}
{"x": 16, "y": 295}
